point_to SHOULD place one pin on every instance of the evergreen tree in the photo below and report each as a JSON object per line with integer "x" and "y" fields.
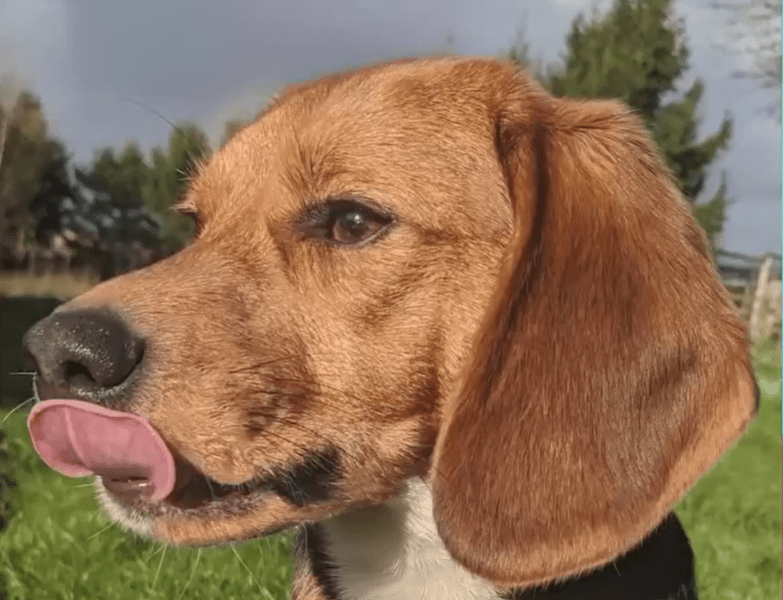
{"x": 171, "y": 169}
{"x": 636, "y": 52}
{"x": 24, "y": 139}
{"x": 110, "y": 217}
{"x": 56, "y": 197}
{"x": 121, "y": 200}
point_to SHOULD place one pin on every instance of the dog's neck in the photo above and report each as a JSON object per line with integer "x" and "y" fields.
{"x": 393, "y": 551}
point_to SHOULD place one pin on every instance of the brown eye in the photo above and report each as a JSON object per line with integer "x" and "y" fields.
{"x": 354, "y": 226}
{"x": 345, "y": 222}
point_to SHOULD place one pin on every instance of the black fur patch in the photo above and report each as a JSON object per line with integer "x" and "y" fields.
{"x": 310, "y": 549}
{"x": 313, "y": 480}
{"x": 661, "y": 568}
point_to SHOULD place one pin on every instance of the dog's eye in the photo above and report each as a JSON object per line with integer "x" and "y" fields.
{"x": 355, "y": 225}
{"x": 345, "y": 222}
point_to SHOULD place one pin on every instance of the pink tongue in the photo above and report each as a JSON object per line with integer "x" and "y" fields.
{"x": 79, "y": 438}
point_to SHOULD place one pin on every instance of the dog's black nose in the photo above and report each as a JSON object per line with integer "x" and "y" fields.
{"x": 87, "y": 354}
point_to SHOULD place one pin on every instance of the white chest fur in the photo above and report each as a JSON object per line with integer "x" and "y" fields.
{"x": 393, "y": 551}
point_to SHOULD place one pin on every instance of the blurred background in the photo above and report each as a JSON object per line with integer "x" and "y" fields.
{"x": 105, "y": 106}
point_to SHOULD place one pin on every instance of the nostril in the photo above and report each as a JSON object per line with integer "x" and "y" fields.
{"x": 100, "y": 368}
{"x": 77, "y": 375}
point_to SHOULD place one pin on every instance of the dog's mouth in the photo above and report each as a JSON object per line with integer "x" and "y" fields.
{"x": 194, "y": 491}
{"x": 134, "y": 464}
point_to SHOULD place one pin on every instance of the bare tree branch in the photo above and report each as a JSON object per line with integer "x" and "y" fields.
{"x": 754, "y": 31}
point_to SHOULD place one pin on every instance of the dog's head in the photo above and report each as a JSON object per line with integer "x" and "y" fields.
{"x": 423, "y": 268}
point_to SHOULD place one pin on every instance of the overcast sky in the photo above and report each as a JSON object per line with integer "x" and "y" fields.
{"x": 210, "y": 60}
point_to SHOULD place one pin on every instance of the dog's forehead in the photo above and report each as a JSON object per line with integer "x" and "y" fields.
{"x": 411, "y": 129}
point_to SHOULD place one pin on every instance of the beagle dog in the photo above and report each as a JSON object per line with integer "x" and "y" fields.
{"x": 465, "y": 336}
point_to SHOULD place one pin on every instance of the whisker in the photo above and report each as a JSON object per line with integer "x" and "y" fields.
{"x": 100, "y": 531}
{"x": 173, "y": 126}
{"x": 212, "y": 494}
{"x": 17, "y": 407}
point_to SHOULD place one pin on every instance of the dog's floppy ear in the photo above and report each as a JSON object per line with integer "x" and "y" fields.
{"x": 611, "y": 369}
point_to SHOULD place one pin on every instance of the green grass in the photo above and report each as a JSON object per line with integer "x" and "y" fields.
{"x": 59, "y": 545}
{"x": 733, "y": 515}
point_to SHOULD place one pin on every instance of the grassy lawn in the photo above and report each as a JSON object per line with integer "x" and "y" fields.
{"x": 733, "y": 515}
{"x": 59, "y": 546}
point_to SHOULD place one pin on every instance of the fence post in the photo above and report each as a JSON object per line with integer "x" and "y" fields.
{"x": 757, "y": 324}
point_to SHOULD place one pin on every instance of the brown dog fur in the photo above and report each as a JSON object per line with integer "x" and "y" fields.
{"x": 542, "y": 315}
